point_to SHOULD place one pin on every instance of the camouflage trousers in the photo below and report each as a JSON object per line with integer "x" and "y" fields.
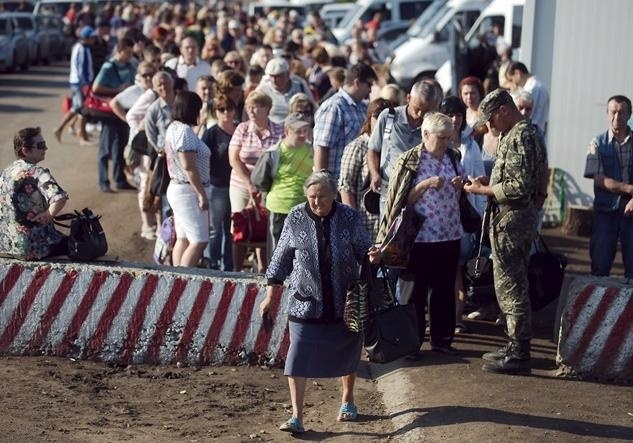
{"x": 511, "y": 239}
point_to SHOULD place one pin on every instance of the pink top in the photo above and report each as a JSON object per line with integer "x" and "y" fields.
{"x": 439, "y": 206}
{"x": 250, "y": 147}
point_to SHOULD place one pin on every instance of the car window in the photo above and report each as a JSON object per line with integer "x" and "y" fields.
{"x": 434, "y": 12}
{"x": 25, "y": 23}
{"x": 4, "y": 26}
{"x": 411, "y": 10}
{"x": 484, "y": 31}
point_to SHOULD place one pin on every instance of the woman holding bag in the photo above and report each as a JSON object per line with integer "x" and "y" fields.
{"x": 321, "y": 246}
{"x": 188, "y": 160}
{"x": 425, "y": 179}
{"x": 250, "y": 140}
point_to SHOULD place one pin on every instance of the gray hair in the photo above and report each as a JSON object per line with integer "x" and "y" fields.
{"x": 321, "y": 177}
{"x": 523, "y": 94}
{"x": 435, "y": 122}
{"x": 427, "y": 91}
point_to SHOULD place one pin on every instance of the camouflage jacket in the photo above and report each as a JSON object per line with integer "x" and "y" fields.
{"x": 517, "y": 170}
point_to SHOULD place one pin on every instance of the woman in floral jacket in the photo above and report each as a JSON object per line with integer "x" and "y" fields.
{"x": 29, "y": 199}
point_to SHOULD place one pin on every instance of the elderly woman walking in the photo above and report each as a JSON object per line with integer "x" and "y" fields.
{"x": 424, "y": 178}
{"x": 321, "y": 246}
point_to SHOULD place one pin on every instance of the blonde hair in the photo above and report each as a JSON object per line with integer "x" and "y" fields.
{"x": 259, "y": 98}
{"x": 435, "y": 122}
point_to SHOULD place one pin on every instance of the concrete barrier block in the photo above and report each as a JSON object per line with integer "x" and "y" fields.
{"x": 128, "y": 314}
{"x": 596, "y": 331}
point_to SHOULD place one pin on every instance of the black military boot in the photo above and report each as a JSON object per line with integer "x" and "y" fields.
{"x": 498, "y": 354}
{"x": 516, "y": 361}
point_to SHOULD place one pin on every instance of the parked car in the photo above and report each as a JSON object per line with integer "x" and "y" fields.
{"x": 53, "y": 26}
{"x": 14, "y": 44}
{"x": 426, "y": 44}
{"x": 38, "y": 40}
{"x": 397, "y": 14}
{"x": 17, "y": 5}
{"x": 333, "y": 14}
{"x": 473, "y": 58}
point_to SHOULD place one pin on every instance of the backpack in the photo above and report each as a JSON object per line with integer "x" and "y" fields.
{"x": 87, "y": 240}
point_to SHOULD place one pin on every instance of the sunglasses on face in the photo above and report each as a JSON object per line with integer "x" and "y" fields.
{"x": 147, "y": 75}
{"x": 41, "y": 146}
{"x": 223, "y": 110}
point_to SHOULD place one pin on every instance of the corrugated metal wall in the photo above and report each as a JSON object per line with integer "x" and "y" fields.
{"x": 592, "y": 60}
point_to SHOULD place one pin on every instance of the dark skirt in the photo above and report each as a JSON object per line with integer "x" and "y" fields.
{"x": 322, "y": 350}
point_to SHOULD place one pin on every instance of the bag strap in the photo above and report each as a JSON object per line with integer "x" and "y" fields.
{"x": 391, "y": 117}
{"x": 65, "y": 217}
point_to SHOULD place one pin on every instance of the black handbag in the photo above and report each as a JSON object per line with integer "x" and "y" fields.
{"x": 392, "y": 329}
{"x": 479, "y": 279}
{"x": 87, "y": 240}
{"x": 546, "y": 271}
{"x": 160, "y": 177}
{"x": 470, "y": 218}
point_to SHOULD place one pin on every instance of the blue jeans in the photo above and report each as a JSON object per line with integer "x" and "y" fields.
{"x": 112, "y": 141}
{"x": 607, "y": 227}
{"x": 220, "y": 241}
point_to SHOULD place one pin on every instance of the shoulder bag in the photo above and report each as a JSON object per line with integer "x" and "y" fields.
{"x": 86, "y": 241}
{"x": 392, "y": 328}
{"x": 470, "y": 218}
{"x": 546, "y": 271}
{"x": 400, "y": 237}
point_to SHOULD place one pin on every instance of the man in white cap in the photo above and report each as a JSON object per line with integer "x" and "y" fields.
{"x": 280, "y": 86}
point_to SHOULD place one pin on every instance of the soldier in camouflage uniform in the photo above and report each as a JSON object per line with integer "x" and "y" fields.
{"x": 515, "y": 186}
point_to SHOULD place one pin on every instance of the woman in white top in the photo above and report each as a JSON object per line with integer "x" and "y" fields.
{"x": 188, "y": 160}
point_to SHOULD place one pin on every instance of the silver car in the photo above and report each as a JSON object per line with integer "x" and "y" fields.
{"x": 53, "y": 27}
{"x": 14, "y": 44}
{"x": 38, "y": 40}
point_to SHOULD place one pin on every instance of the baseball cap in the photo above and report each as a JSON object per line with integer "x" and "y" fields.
{"x": 277, "y": 66}
{"x": 491, "y": 103}
{"x": 87, "y": 31}
{"x": 295, "y": 120}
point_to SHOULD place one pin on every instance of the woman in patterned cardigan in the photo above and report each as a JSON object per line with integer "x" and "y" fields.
{"x": 321, "y": 246}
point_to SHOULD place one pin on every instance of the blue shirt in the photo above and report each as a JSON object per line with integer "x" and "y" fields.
{"x": 337, "y": 122}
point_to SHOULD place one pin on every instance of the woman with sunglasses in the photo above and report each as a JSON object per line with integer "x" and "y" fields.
{"x": 29, "y": 199}
{"x": 217, "y": 138}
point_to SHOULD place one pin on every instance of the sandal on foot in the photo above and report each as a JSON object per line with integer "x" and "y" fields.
{"x": 293, "y": 425}
{"x": 348, "y": 412}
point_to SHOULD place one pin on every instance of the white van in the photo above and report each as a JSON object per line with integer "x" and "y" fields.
{"x": 508, "y": 15}
{"x": 333, "y": 14}
{"x": 397, "y": 16}
{"x": 426, "y": 45}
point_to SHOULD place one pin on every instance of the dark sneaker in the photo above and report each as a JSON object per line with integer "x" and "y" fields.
{"x": 509, "y": 365}
{"x": 448, "y": 350}
{"x": 498, "y": 354}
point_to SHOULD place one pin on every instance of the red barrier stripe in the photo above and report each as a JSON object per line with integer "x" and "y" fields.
{"x": 22, "y": 310}
{"x": 619, "y": 333}
{"x": 594, "y": 323}
{"x": 263, "y": 336}
{"x": 164, "y": 320}
{"x": 53, "y": 309}
{"x": 576, "y": 308}
{"x": 112, "y": 309}
{"x": 98, "y": 279}
{"x": 193, "y": 322}
{"x": 283, "y": 348}
{"x": 213, "y": 334}
{"x": 9, "y": 280}
{"x": 138, "y": 317}
{"x": 242, "y": 323}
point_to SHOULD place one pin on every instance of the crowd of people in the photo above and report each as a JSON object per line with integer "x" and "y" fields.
{"x": 251, "y": 111}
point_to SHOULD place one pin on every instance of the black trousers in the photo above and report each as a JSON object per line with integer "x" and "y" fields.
{"x": 434, "y": 266}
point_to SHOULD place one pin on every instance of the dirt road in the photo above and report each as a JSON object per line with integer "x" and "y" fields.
{"x": 438, "y": 399}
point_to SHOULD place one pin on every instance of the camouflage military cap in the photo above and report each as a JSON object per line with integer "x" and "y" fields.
{"x": 491, "y": 103}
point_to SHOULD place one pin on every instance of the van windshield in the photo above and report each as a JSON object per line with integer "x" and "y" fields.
{"x": 425, "y": 23}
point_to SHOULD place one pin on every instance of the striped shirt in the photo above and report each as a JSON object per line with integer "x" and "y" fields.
{"x": 337, "y": 122}
{"x": 250, "y": 146}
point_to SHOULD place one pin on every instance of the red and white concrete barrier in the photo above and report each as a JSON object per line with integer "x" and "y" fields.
{"x": 136, "y": 315}
{"x": 596, "y": 331}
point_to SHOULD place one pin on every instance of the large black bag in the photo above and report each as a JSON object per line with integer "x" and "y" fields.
{"x": 392, "y": 329}
{"x": 86, "y": 241}
{"x": 546, "y": 272}
{"x": 478, "y": 275}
